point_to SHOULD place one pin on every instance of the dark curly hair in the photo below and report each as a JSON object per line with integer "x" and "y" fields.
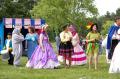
{"x": 65, "y": 26}
{"x": 116, "y": 18}
{"x": 32, "y": 29}
{"x": 91, "y": 28}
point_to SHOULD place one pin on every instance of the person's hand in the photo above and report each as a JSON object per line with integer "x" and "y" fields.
{"x": 86, "y": 40}
{"x": 93, "y": 40}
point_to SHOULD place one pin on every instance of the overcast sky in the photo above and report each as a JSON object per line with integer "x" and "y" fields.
{"x": 107, "y": 5}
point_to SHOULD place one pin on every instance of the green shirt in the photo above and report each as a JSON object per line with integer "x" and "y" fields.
{"x": 91, "y": 36}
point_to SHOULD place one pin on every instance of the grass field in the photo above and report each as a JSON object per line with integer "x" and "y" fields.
{"x": 75, "y": 72}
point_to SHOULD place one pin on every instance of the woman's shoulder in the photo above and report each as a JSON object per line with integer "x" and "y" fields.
{"x": 42, "y": 34}
{"x": 35, "y": 34}
{"x": 98, "y": 33}
{"x": 62, "y": 33}
{"x": 89, "y": 33}
{"x": 28, "y": 34}
{"x": 93, "y": 33}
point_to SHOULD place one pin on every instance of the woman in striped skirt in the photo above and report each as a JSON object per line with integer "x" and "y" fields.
{"x": 78, "y": 57}
{"x": 66, "y": 48}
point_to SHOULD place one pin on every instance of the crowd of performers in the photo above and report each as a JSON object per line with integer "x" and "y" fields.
{"x": 41, "y": 54}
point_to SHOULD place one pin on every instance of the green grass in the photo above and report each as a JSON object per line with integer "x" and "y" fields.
{"x": 75, "y": 72}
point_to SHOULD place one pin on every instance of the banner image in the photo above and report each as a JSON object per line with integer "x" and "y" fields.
{"x": 18, "y": 22}
{"x": 37, "y": 23}
{"x": 8, "y": 22}
{"x": 27, "y": 23}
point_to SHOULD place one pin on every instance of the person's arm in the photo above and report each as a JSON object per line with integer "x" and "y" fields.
{"x": 41, "y": 42}
{"x": 71, "y": 36}
{"x": 77, "y": 40}
{"x": 18, "y": 38}
{"x": 37, "y": 38}
{"x": 8, "y": 45}
{"x": 27, "y": 37}
{"x": 21, "y": 38}
{"x": 5, "y": 45}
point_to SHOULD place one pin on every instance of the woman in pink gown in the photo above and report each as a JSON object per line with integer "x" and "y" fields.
{"x": 78, "y": 57}
{"x": 44, "y": 55}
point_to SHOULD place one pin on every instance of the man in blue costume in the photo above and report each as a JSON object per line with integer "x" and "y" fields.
{"x": 112, "y": 40}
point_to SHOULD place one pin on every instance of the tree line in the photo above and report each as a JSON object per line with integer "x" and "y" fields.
{"x": 58, "y": 12}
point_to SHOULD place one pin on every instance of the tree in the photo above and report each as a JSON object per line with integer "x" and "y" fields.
{"x": 59, "y": 12}
{"x": 16, "y": 8}
{"x": 106, "y": 27}
{"x": 118, "y": 12}
{"x": 108, "y": 16}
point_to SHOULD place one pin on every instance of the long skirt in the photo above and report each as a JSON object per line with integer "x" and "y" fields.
{"x": 79, "y": 56}
{"x": 115, "y": 63}
{"x": 66, "y": 49}
{"x": 46, "y": 59}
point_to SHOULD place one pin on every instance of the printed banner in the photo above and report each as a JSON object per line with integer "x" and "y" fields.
{"x": 37, "y": 23}
{"x": 8, "y": 22}
{"x": 27, "y": 23}
{"x": 18, "y": 22}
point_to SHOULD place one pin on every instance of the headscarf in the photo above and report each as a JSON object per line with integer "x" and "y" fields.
{"x": 16, "y": 31}
{"x": 72, "y": 29}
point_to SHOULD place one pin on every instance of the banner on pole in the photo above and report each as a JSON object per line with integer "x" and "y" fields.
{"x": 27, "y": 23}
{"x": 18, "y": 22}
{"x": 8, "y": 22}
{"x": 37, "y": 23}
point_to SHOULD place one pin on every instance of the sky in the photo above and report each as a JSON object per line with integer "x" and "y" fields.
{"x": 107, "y": 5}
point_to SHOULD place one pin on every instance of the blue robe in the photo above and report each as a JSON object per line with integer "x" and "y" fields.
{"x": 32, "y": 42}
{"x": 110, "y": 34}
